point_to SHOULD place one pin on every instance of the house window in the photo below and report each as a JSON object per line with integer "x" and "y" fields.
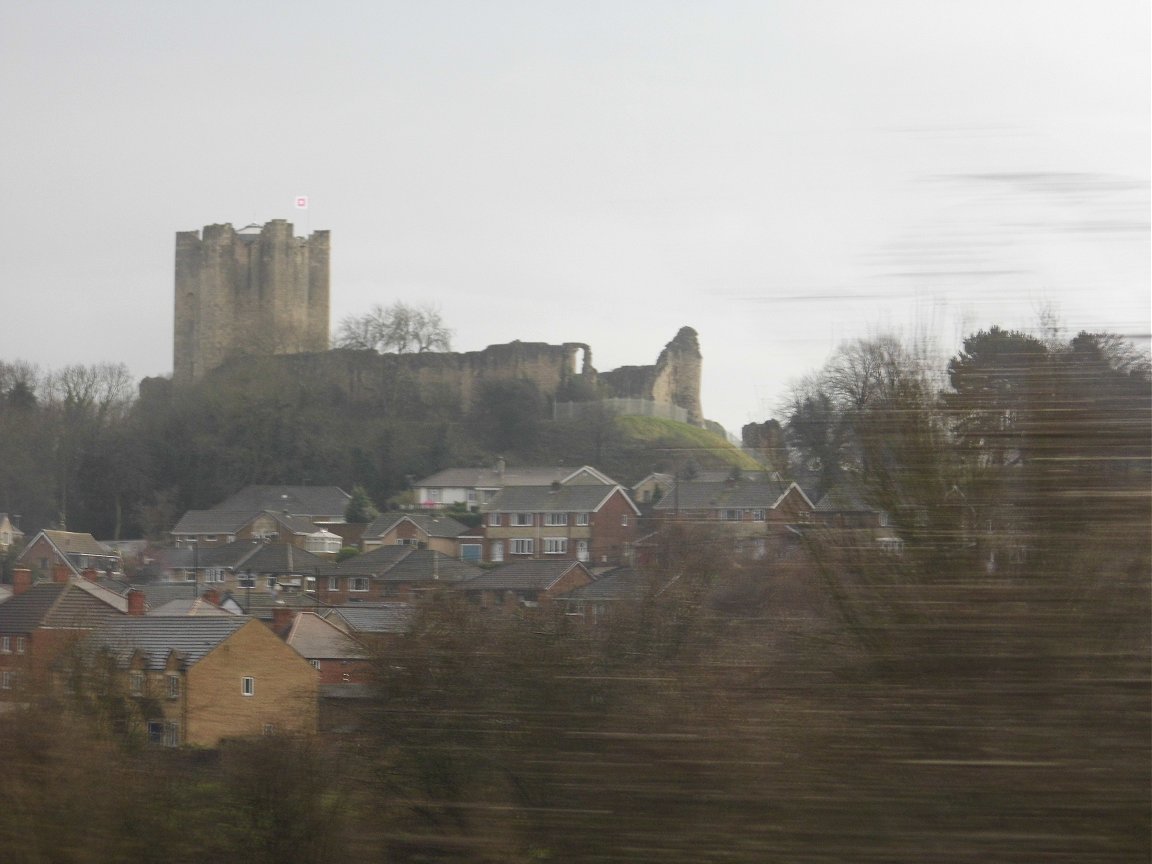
{"x": 5, "y": 644}
{"x": 581, "y": 519}
{"x": 248, "y": 686}
{"x": 730, "y": 515}
{"x": 358, "y": 583}
{"x": 315, "y": 663}
{"x": 494, "y": 520}
{"x": 555, "y": 546}
{"x": 333, "y": 583}
{"x": 471, "y": 495}
{"x": 497, "y": 550}
{"x": 7, "y": 678}
{"x": 470, "y": 552}
{"x": 435, "y": 495}
{"x": 136, "y": 682}
{"x": 522, "y": 546}
{"x": 758, "y": 516}
{"x": 21, "y": 644}
{"x": 522, "y": 520}
{"x": 173, "y": 686}
{"x": 555, "y": 519}
{"x": 171, "y": 734}
{"x": 624, "y": 519}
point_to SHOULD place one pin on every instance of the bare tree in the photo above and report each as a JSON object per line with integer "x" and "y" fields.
{"x": 399, "y": 328}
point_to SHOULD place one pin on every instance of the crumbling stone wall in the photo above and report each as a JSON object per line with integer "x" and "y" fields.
{"x": 675, "y": 379}
{"x": 248, "y": 292}
{"x": 452, "y": 381}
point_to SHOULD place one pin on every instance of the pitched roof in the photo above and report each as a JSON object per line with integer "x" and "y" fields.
{"x": 316, "y": 639}
{"x": 428, "y": 565}
{"x": 492, "y": 478}
{"x": 553, "y": 499}
{"x": 231, "y": 521}
{"x": 282, "y": 558}
{"x": 302, "y": 500}
{"x": 369, "y": 564}
{"x": 522, "y": 576}
{"x": 843, "y": 499}
{"x": 377, "y": 618}
{"x": 718, "y": 495}
{"x": 214, "y": 521}
{"x": 192, "y": 637}
{"x": 429, "y": 523}
{"x": 185, "y": 606}
{"x": 73, "y": 543}
{"x": 616, "y": 584}
{"x": 59, "y": 604}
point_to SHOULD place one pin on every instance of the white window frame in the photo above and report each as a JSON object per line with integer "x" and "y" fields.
{"x": 494, "y": 520}
{"x": 5, "y": 644}
{"x": 21, "y": 644}
{"x": 355, "y": 581}
{"x": 582, "y": 552}
{"x": 173, "y": 686}
{"x": 497, "y": 550}
{"x": 522, "y": 520}
{"x": 247, "y": 685}
{"x": 759, "y": 516}
{"x": 623, "y": 520}
{"x": 135, "y": 682}
{"x": 555, "y": 545}
{"x": 333, "y": 583}
{"x": 555, "y": 520}
{"x": 171, "y": 733}
{"x": 730, "y": 515}
{"x": 522, "y": 546}
{"x": 582, "y": 519}
{"x": 7, "y": 678}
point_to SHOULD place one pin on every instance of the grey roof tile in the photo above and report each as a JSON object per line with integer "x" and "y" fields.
{"x": 522, "y": 576}
{"x": 300, "y": 500}
{"x": 549, "y": 499}
{"x": 193, "y": 637}
{"x": 431, "y": 524}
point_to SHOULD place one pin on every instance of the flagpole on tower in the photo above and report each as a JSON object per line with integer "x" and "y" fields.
{"x": 302, "y": 204}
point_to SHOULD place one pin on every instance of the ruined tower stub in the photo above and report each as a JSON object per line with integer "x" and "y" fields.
{"x": 260, "y": 290}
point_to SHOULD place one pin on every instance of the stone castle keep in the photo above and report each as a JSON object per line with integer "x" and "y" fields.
{"x": 252, "y": 291}
{"x": 254, "y": 302}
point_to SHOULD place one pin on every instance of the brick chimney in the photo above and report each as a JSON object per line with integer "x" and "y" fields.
{"x": 21, "y": 580}
{"x": 61, "y": 573}
{"x": 212, "y": 596}
{"x": 281, "y": 620}
{"x": 89, "y": 573}
{"x": 135, "y": 602}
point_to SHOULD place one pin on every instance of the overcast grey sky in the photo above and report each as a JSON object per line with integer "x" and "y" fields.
{"x": 778, "y": 174}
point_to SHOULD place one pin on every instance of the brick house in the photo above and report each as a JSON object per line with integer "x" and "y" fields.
{"x": 425, "y": 530}
{"x": 201, "y": 680}
{"x": 595, "y": 524}
{"x": 754, "y": 512}
{"x": 389, "y": 573}
{"x": 526, "y": 583}
{"x": 202, "y": 530}
{"x": 44, "y": 620}
{"x": 74, "y": 551}
{"x": 474, "y": 487}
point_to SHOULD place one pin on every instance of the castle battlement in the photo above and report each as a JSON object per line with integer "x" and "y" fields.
{"x": 248, "y": 292}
